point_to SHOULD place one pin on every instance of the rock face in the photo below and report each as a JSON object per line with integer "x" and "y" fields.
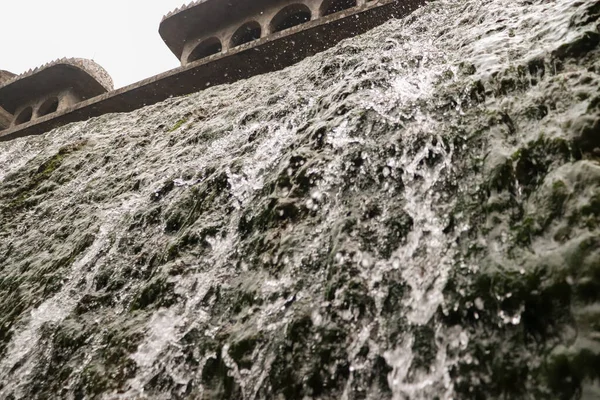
{"x": 412, "y": 214}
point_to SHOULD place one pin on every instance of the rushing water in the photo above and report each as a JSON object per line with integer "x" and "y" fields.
{"x": 412, "y": 214}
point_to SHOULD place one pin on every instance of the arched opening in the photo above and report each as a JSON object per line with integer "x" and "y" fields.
{"x": 24, "y": 116}
{"x": 333, "y": 6}
{"x": 246, "y": 33}
{"x": 290, "y": 16}
{"x": 206, "y": 48}
{"x": 48, "y": 107}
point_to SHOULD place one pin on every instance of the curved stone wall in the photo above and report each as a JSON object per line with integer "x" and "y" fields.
{"x": 46, "y": 104}
{"x": 180, "y": 28}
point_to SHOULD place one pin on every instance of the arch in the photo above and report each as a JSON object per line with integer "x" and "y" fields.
{"x": 246, "y": 33}
{"x": 48, "y": 107}
{"x": 206, "y": 48}
{"x": 290, "y": 16}
{"x": 333, "y": 6}
{"x": 24, "y": 116}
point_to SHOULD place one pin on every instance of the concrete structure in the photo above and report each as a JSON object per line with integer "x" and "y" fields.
{"x": 5, "y": 117}
{"x": 5, "y": 76}
{"x": 239, "y": 39}
{"x": 208, "y": 27}
{"x": 50, "y": 89}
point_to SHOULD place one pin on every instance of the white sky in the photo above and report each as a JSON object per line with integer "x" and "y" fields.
{"x": 120, "y": 35}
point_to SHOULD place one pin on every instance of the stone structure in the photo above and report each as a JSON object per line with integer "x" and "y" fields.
{"x": 216, "y": 41}
{"x": 208, "y": 27}
{"x": 5, "y": 76}
{"x": 5, "y": 117}
{"x": 52, "y": 88}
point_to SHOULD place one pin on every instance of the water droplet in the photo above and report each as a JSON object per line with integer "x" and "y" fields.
{"x": 317, "y": 196}
{"x": 479, "y": 303}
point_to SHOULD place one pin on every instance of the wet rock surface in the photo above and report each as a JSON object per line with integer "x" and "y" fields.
{"x": 413, "y": 214}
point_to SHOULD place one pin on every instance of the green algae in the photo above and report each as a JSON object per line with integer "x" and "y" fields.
{"x": 178, "y": 124}
{"x": 22, "y": 196}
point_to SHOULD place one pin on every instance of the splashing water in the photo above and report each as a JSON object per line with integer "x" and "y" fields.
{"x": 346, "y": 228}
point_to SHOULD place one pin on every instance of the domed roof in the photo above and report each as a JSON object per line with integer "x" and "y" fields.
{"x": 87, "y": 79}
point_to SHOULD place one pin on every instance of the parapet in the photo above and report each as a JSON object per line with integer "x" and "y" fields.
{"x": 207, "y": 27}
{"x": 49, "y": 89}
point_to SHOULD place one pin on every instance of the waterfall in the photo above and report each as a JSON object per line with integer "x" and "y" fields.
{"x": 412, "y": 214}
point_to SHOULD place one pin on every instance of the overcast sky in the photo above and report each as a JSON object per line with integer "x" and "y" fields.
{"x": 120, "y": 35}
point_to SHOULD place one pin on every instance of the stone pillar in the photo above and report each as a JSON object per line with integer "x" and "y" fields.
{"x": 315, "y": 8}
{"x": 5, "y": 119}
